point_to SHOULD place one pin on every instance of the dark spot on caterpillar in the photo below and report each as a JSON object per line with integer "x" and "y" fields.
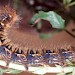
{"x": 31, "y": 52}
{"x": 9, "y": 48}
{"x": 37, "y": 52}
{"x": 46, "y": 54}
{"x": 48, "y": 51}
{"x": 2, "y": 40}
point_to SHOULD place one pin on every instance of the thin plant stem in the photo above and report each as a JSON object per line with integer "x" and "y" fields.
{"x": 69, "y": 33}
{"x": 71, "y": 4}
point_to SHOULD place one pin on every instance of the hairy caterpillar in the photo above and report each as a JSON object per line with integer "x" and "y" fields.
{"x": 29, "y": 56}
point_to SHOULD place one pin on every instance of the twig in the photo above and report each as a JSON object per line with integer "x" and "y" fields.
{"x": 69, "y": 33}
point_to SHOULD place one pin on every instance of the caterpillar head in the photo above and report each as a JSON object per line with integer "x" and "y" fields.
{"x": 8, "y": 15}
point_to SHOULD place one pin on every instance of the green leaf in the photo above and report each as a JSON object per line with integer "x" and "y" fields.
{"x": 2, "y": 71}
{"x": 43, "y": 15}
{"x": 68, "y": 73}
{"x": 58, "y": 66}
{"x": 13, "y": 71}
{"x": 43, "y": 35}
{"x": 71, "y": 4}
{"x": 55, "y": 20}
{"x": 69, "y": 62}
{"x": 73, "y": 73}
{"x": 36, "y": 16}
{"x": 59, "y": 74}
{"x": 68, "y": 1}
{"x": 65, "y": 2}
